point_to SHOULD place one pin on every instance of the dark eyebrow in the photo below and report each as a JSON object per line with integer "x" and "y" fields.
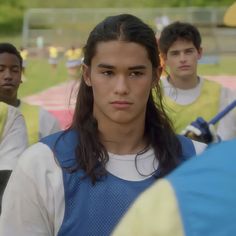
{"x": 106, "y": 66}
{"x": 139, "y": 67}
{"x": 190, "y": 48}
{"x": 3, "y": 65}
{"x": 171, "y": 51}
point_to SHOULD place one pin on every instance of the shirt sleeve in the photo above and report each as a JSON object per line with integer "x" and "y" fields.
{"x": 226, "y": 127}
{"x": 33, "y": 202}
{"x": 14, "y": 139}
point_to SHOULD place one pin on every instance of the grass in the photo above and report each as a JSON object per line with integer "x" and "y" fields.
{"x": 226, "y": 66}
{"x": 39, "y": 76}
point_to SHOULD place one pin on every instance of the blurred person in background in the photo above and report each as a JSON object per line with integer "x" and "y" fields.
{"x": 53, "y": 57}
{"x": 24, "y": 54}
{"x": 13, "y": 141}
{"x": 39, "y": 122}
{"x": 73, "y": 61}
{"x": 82, "y": 180}
{"x": 188, "y": 95}
{"x": 230, "y": 16}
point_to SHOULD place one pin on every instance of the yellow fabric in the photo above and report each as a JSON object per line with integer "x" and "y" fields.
{"x": 3, "y": 116}
{"x": 24, "y": 54}
{"x": 206, "y": 106}
{"x": 31, "y": 115}
{"x": 73, "y": 54}
{"x": 230, "y": 16}
{"x": 155, "y": 213}
{"x": 53, "y": 52}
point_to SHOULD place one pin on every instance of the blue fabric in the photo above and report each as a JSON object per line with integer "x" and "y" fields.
{"x": 188, "y": 149}
{"x": 205, "y": 188}
{"x": 95, "y": 209}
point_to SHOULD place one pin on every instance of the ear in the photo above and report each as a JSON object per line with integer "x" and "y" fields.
{"x": 86, "y": 74}
{"x": 21, "y": 77}
{"x": 200, "y": 53}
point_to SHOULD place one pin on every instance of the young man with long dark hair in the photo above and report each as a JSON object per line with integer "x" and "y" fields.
{"x": 81, "y": 181}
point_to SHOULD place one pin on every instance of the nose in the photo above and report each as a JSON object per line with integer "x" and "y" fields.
{"x": 122, "y": 85}
{"x": 7, "y": 74}
{"x": 182, "y": 57}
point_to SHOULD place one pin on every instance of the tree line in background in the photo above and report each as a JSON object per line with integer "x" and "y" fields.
{"x": 12, "y": 11}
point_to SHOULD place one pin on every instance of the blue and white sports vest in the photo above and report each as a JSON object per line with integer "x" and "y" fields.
{"x": 205, "y": 189}
{"x": 94, "y": 210}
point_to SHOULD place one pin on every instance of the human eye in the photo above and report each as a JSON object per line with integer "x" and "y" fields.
{"x": 107, "y": 73}
{"x": 189, "y": 51}
{"x": 136, "y": 74}
{"x": 1, "y": 68}
{"x": 174, "y": 53}
{"x": 16, "y": 70}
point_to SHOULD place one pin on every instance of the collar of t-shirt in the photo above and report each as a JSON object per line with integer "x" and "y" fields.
{"x": 182, "y": 96}
{"x": 132, "y": 167}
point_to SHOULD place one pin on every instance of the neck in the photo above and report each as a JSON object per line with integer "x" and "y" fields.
{"x": 10, "y": 101}
{"x": 123, "y": 139}
{"x": 184, "y": 82}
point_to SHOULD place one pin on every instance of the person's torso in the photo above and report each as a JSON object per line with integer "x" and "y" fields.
{"x": 206, "y": 105}
{"x": 3, "y": 117}
{"x": 95, "y": 209}
{"x": 31, "y": 116}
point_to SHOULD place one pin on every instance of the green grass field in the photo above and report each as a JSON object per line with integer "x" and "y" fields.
{"x": 226, "y": 66}
{"x": 39, "y": 76}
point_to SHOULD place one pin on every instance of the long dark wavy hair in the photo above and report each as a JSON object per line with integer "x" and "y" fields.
{"x": 91, "y": 155}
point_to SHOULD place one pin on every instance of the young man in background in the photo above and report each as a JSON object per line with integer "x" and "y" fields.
{"x": 187, "y": 94}
{"x": 39, "y": 122}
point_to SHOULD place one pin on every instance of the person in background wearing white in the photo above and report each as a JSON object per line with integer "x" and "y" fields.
{"x": 188, "y": 95}
{"x": 13, "y": 141}
{"x": 39, "y": 122}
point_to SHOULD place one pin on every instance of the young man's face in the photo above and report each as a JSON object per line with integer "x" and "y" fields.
{"x": 182, "y": 59}
{"x": 121, "y": 77}
{"x": 10, "y": 76}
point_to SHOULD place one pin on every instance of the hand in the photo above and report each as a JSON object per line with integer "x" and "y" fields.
{"x": 201, "y": 131}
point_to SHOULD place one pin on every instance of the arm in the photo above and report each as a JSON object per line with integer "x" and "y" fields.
{"x": 48, "y": 124}
{"x": 33, "y": 202}
{"x": 204, "y": 131}
{"x": 226, "y": 127}
{"x": 14, "y": 139}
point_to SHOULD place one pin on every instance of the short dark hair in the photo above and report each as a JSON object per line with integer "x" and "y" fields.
{"x": 178, "y": 30}
{"x": 10, "y": 48}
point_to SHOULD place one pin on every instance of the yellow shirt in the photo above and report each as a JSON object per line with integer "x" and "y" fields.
{"x": 31, "y": 115}
{"x": 73, "y": 54}
{"x": 53, "y": 52}
{"x": 205, "y": 106}
{"x": 24, "y": 54}
{"x": 3, "y": 116}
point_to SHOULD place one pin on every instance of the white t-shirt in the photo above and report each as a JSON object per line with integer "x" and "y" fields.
{"x": 33, "y": 202}
{"x": 13, "y": 140}
{"x": 226, "y": 127}
{"x": 48, "y": 124}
